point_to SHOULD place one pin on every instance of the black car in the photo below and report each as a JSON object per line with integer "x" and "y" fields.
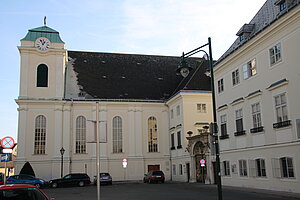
{"x": 154, "y": 177}
{"x": 74, "y": 179}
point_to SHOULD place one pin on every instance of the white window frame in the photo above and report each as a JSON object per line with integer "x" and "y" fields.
{"x": 172, "y": 114}
{"x": 180, "y": 169}
{"x": 275, "y": 54}
{"x": 235, "y": 77}
{"x": 117, "y": 139}
{"x": 243, "y": 171}
{"x": 250, "y": 69}
{"x": 80, "y": 143}
{"x": 201, "y": 107}
{"x": 260, "y": 165}
{"x": 223, "y": 120}
{"x": 178, "y": 110}
{"x": 226, "y": 168}
{"x": 238, "y": 117}
{"x": 220, "y": 85}
{"x": 40, "y": 135}
{"x": 256, "y": 115}
{"x": 281, "y": 107}
{"x": 288, "y": 168}
{"x": 152, "y": 135}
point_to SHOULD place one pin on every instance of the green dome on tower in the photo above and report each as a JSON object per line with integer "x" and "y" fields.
{"x": 43, "y": 31}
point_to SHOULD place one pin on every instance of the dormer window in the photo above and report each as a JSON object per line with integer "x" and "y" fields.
{"x": 282, "y": 4}
{"x": 245, "y": 31}
{"x": 242, "y": 37}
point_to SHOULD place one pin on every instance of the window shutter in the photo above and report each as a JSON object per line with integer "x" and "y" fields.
{"x": 298, "y": 127}
{"x": 222, "y": 169}
{"x": 252, "y": 168}
{"x": 276, "y": 168}
{"x": 245, "y": 71}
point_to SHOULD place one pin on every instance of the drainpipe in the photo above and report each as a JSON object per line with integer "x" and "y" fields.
{"x": 71, "y": 136}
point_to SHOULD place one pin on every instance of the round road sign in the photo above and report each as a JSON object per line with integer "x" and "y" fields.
{"x": 7, "y": 142}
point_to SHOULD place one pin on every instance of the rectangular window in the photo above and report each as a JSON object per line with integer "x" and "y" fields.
{"x": 220, "y": 85}
{"x": 172, "y": 114}
{"x": 275, "y": 54}
{"x": 174, "y": 169}
{"x": 180, "y": 169}
{"x": 178, "y": 110}
{"x": 249, "y": 69}
{"x": 223, "y": 125}
{"x": 179, "y": 140}
{"x": 281, "y": 108}
{"x": 226, "y": 168}
{"x": 282, "y": 6}
{"x": 256, "y": 115}
{"x": 235, "y": 77}
{"x": 201, "y": 108}
{"x": 243, "y": 167}
{"x": 239, "y": 120}
{"x": 172, "y": 141}
{"x": 287, "y": 169}
{"x": 260, "y": 168}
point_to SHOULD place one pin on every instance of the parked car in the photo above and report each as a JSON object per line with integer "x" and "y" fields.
{"x": 26, "y": 179}
{"x": 105, "y": 178}
{"x": 1, "y": 178}
{"x": 74, "y": 179}
{"x": 154, "y": 177}
{"x": 21, "y": 192}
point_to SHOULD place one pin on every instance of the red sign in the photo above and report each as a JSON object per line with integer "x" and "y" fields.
{"x": 202, "y": 162}
{"x": 7, "y": 142}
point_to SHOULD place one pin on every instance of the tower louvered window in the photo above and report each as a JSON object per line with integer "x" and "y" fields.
{"x": 42, "y": 76}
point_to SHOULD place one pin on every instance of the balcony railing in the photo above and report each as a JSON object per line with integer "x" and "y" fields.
{"x": 257, "y": 129}
{"x": 239, "y": 133}
{"x": 282, "y": 124}
{"x": 222, "y": 137}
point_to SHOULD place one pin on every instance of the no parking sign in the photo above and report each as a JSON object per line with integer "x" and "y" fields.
{"x": 7, "y": 142}
{"x": 202, "y": 162}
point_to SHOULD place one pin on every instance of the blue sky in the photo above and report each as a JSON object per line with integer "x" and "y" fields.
{"x": 154, "y": 27}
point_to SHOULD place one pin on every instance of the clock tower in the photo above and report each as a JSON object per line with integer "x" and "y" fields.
{"x": 43, "y": 61}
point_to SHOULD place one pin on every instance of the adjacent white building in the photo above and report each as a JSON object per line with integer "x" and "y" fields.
{"x": 146, "y": 107}
{"x": 257, "y": 84}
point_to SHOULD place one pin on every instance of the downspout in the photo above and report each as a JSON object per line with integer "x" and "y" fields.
{"x": 71, "y": 136}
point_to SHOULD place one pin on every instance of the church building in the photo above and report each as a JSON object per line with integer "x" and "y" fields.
{"x": 146, "y": 108}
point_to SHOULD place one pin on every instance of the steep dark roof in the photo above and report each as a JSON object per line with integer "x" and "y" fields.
{"x": 268, "y": 14}
{"x": 130, "y": 76}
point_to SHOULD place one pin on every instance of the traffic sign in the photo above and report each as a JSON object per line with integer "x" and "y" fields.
{"x": 4, "y": 157}
{"x": 202, "y": 162}
{"x": 124, "y": 162}
{"x": 7, "y": 142}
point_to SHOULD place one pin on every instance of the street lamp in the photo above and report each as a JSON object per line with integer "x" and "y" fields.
{"x": 62, "y": 151}
{"x": 184, "y": 68}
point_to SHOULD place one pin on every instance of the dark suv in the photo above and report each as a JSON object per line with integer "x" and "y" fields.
{"x": 74, "y": 179}
{"x": 154, "y": 177}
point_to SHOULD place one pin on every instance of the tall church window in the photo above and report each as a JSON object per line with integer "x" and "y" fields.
{"x": 117, "y": 135}
{"x": 80, "y": 135}
{"x": 40, "y": 135}
{"x": 152, "y": 135}
{"x": 42, "y": 76}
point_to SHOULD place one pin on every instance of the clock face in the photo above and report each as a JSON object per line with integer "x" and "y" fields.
{"x": 42, "y": 43}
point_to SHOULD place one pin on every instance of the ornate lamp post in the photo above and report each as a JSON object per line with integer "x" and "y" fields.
{"x": 184, "y": 68}
{"x": 62, "y": 151}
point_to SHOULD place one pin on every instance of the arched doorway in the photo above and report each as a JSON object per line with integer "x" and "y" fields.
{"x": 199, "y": 152}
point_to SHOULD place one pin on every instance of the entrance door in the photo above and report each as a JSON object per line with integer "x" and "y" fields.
{"x": 188, "y": 171}
{"x": 153, "y": 168}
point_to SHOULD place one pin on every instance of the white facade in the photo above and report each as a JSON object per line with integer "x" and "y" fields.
{"x": 259, "y": 108}
{"x": 48, "y": 122}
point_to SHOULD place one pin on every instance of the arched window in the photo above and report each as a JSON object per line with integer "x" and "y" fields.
{"x": 152, "y": 135}
{"x": 42, "y": 76}
{"x": 80, "y": 135}
{"x": 117, "y": 135}
{"x": 40, "y": 135}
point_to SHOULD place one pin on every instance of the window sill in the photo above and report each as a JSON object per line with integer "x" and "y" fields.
{"x": 223, "y": 137}
{"x": 282, "y": 124}
{"x": 240, "y": 133}
{"x": 257, "y": 129}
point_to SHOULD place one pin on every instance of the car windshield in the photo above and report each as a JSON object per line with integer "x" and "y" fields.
{"x": 22, "y": 194}
{"x": 104, "y": 174}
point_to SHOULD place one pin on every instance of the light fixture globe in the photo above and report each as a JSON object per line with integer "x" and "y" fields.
{"x": 184, "y": 68}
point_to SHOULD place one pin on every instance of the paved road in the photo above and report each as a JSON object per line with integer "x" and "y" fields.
{"x": 167, "y": 191}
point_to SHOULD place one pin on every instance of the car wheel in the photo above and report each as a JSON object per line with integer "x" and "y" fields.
{"x": 81, "y": 183}
{"x": 54, "y": 185}
{"x": 37, "y": 185}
